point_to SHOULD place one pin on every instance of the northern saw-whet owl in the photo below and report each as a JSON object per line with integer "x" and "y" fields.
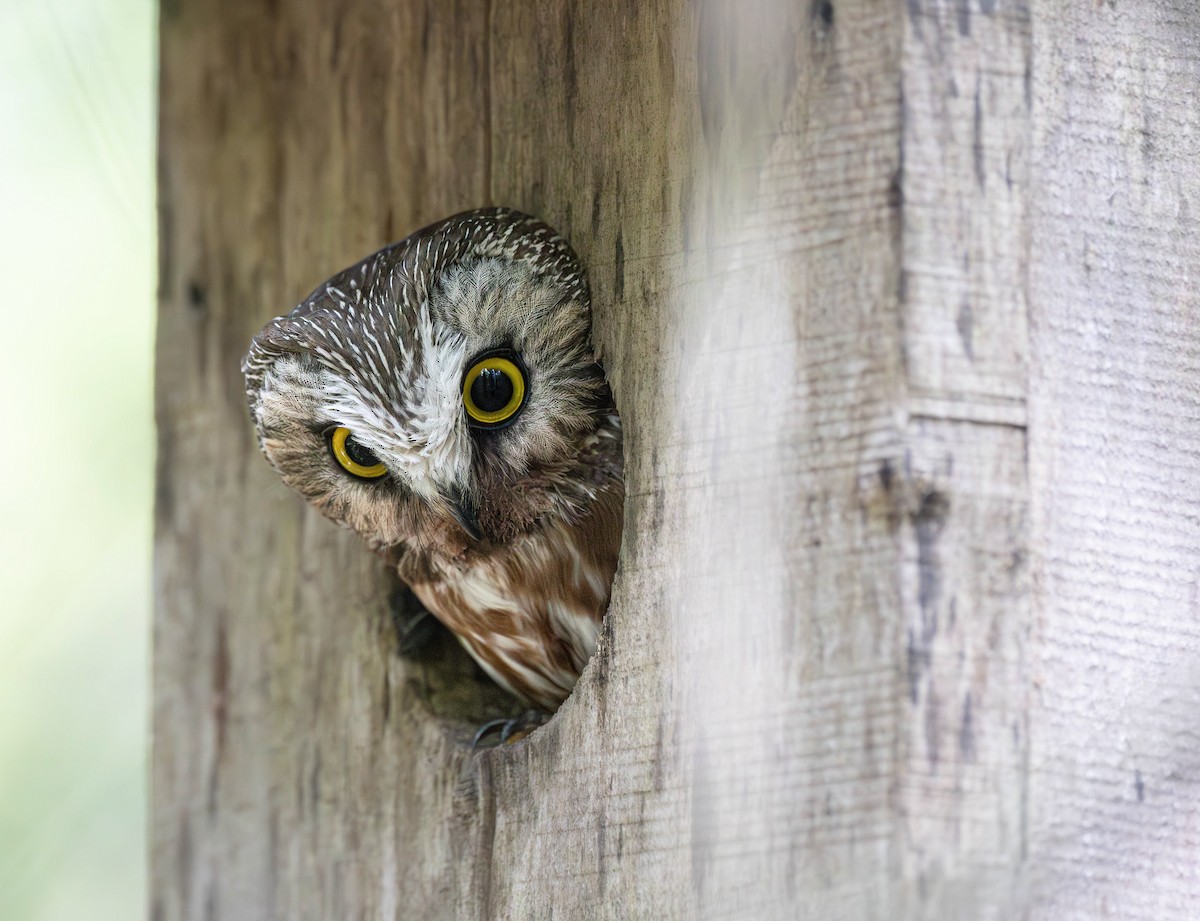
{"x": 442, "y": 398}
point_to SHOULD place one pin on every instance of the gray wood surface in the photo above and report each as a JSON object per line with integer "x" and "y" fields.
{"x": 897, "y": 304}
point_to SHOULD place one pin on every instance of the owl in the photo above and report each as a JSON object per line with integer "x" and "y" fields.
{"x": 442, "y": 399}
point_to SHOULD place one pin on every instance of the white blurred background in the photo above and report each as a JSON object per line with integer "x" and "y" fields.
{"x": 76, "y": 328}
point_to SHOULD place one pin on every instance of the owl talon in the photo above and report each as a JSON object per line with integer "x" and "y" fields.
{"x": 484, "y": 730}
{"x": 511, "y": 729}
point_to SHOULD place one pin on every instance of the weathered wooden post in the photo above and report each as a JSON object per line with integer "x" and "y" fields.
{"x": 896, "y": 301}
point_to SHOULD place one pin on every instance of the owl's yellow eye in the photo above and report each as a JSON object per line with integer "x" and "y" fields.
{"x": 493, "y": 391}
{"x": 354, "y": 457}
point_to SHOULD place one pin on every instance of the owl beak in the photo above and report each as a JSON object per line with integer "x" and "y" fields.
{"x": 464, "y": 512}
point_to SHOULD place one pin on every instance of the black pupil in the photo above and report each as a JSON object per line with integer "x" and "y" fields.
{"x": 360, "y": 455}
{"x": 492, "y": 390}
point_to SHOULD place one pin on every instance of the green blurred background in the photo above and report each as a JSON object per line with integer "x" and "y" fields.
{"x": 77, "y": 256}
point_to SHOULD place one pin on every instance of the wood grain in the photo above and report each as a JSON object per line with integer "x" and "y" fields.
{"x": 896, "y": 304}
{"x": 1115, "y": 463}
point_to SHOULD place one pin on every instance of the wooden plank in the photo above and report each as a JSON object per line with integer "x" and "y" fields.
{"x": 1115, "y": 462}
{"x": 963, "y": 789}
{"x": 291, "y": 744}
{"x": 728, "y": 175}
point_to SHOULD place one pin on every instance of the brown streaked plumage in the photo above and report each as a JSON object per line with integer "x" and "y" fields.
{"x": 509, "y": 530}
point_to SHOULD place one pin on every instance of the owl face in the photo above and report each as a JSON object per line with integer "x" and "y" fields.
{"x": 440, "y": 392}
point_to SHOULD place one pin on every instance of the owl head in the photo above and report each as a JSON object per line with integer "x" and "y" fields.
{"x": 442, "y": 391}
